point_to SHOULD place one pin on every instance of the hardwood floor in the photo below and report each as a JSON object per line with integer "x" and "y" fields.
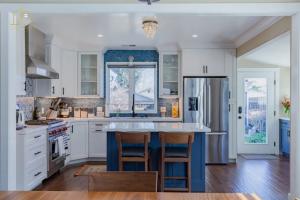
{"x": 269, "y": 179}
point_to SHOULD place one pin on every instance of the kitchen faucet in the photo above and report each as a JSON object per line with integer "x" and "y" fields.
{"x": 132, "y": 108}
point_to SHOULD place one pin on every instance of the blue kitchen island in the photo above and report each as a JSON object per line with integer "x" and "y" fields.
{"x": 172, "y": 169}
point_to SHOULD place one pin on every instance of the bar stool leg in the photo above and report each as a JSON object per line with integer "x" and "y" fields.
{"x": 120, "y": 164}
{"x": 162, "y": 176}
{"x": 189, "y": 176}
{"x": 146, "y": 165}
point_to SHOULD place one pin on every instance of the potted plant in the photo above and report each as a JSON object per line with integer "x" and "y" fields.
{"x": 286, "y": 103}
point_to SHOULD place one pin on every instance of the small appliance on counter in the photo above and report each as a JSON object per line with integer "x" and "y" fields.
{"x": 20, "y": 118}
{"x": 100, "y": 112}
{"x": 83, "y": 112}
{"x": 64, "y": 111}
{"x": 163, "y": 111}
{"x": 91, "y": 112}
{"x": 77, "y": 112}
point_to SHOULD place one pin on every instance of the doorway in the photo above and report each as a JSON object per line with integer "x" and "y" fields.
{"x": 256, "y": 100}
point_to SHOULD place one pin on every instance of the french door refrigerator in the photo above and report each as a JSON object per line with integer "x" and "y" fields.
{"x": 206, "y": 101}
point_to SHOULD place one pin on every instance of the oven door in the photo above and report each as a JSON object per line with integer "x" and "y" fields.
{"x": 55, "y": 161}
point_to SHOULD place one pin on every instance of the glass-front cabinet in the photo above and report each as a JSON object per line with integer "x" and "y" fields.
{"x": 169, "y": 74}
{"x": 89, "y": 73}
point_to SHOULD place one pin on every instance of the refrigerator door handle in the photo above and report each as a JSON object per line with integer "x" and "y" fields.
{"x": 209, "y": 105}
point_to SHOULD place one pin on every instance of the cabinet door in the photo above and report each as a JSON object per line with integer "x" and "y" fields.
{"x": 69, "y": 73}
{"x": 88, "y": 74}
{"x": 97, "y": 144}
{"x": 285, "y": 137}
{"x": 214, "y": 60}
{"x": 97, "y": 140}
{"x": 54, "y": 60}
{"x": 21, "y": 68}
{"x": 79, "y": 140}
{"x": 169, "y": 74}
{"x": 203, "y": 62}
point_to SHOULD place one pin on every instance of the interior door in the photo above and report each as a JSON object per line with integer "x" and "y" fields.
{"x": 256, "y": 106}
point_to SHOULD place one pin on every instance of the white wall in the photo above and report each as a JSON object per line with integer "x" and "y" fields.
{"x": 7, "y": 103}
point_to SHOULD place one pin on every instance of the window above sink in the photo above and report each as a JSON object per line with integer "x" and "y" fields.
{"x": 128, "y": 84}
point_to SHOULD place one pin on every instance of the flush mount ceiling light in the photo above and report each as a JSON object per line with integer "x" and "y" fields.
{"x": 149, "y": 2}
{"x": 195, "y": 36}
{"x": 100, "y": 36}
{"x": 150, "y": 27}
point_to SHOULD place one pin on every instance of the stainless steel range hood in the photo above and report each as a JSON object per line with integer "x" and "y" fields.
{"x": 35, "y": 55}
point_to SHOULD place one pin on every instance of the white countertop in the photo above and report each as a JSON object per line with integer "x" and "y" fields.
{"x": 155, "y": 127}
{"x": 125, "y": 119}
{"x": 33, "y": 128}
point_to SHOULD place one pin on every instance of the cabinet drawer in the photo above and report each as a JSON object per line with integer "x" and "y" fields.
{"x": 96, "y": 127}
{"x": 36, "y": 171}
{"x": 35, "y": 140}
{"x": 34, "y": 152}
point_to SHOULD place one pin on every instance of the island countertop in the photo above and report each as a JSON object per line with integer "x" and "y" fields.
{"x": 154, "y": 127}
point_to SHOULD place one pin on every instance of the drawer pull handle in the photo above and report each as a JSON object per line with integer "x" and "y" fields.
{"x": 37, "y": 136}
{"x": 37, "y": 174}
{"x": 98, "y": 124}
{"x": 98, "y": 130}
{"x": 37, "y": 153}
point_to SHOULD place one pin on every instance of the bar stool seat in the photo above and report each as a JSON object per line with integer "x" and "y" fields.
{"x": 172, "y": 152}
{"x": 131, "y": 151}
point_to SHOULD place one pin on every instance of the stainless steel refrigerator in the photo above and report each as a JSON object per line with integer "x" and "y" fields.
{"x": 206, "y": 101}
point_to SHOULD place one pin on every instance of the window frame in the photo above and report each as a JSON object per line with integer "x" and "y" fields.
{"x": 131, "y": 85}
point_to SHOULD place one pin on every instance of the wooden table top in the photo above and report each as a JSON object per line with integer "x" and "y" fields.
{"x": 77, "y": 195}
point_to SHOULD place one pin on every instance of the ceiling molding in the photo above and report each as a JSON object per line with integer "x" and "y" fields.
{"x": 256, "y": 29}
{"x": 216, "y": 9}
{"x": 136, "y": 2}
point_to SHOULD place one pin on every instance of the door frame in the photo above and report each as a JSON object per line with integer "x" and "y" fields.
{"x": 276, "y": 72}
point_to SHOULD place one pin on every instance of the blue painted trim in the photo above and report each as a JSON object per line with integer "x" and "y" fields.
{"x": 176, "y": 169}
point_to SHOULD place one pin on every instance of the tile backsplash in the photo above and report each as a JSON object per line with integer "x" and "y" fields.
{"x": 27, "y": 104}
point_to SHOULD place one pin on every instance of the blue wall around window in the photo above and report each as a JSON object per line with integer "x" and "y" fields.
{"x": 139, "y": 56}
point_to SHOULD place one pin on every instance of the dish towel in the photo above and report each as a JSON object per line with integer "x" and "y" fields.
{"x": 61, "y": 146}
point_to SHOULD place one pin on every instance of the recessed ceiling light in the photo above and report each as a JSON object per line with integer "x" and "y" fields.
{"x": 100, "y": 35}
{"x": 195, "y": 36}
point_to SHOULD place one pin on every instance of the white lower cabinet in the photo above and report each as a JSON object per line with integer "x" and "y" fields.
{"x": 31, "y": 158}
{"x": 97, "y": 140}
{"x": 79, "y": 140}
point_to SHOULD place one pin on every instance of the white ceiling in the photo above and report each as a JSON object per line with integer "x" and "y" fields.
{"x": 126, "y": 28}
{"x": 275, "y": 52}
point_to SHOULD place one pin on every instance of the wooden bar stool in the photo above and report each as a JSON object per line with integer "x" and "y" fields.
{"x": 132, "y": 153}
{"x": 173, "y": 152}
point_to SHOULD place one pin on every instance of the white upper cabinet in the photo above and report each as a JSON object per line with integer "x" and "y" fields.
{"x": 68, "y": 75}
{"x": 54, "y": 60}
{"x": 89, "y": 74}
{"x": 169, "y": 72}
{"x": 203, "y": 62}
{"x": 21, "y": 68}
